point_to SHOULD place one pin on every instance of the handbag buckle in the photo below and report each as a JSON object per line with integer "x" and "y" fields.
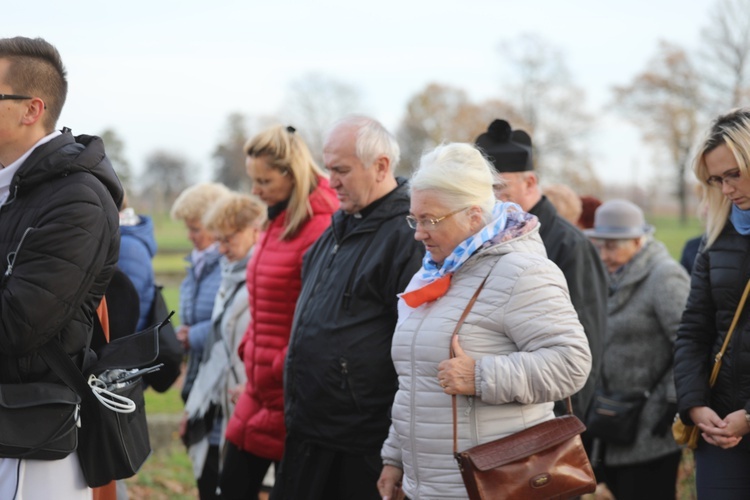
{"x": 540, "y": 480}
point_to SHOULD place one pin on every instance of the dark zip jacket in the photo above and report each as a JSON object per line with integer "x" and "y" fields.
{"x": 59, "y": 241}
{"x": 719, "y": 276}
{"x": 339, "y": 377}
{"x": 586, "y": 276}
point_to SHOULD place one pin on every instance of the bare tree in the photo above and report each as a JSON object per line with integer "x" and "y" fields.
{"x": 725, "y": 55}
{"x": 313, "y": 103}
{"x": 441, "y": 113}
{"x": 551, "y": 107}
{"x": 166, "y": 174}
{"x": 663, "y": 101}
{"x": 115, "y": 148}
{"x": 229, "y": 155}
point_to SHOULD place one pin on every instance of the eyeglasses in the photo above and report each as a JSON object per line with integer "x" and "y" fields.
{"x": 14, "y": 97}
{"x": 609, "y": 245}
{"x": 226, "y": 238}
{"x": 429, "y": 223}
{"x": 730, "y": 178}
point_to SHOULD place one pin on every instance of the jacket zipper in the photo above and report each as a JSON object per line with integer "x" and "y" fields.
{"x": 346, "y": 381}
{"x": 350, "y": 281}
{"x": 12, "y": 197}
{"x": 11, "y": 257}
{"x": 412, "y": 406}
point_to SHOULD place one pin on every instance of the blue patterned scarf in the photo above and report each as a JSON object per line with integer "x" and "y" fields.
{"x": 431, "y": 270}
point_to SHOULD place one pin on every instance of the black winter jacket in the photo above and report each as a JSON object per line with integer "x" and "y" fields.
{"x": 586, "y": 276}
{"x": 339, "y": 378}
{"x": 59, "y": 240}
{"x": 719, "y": 276}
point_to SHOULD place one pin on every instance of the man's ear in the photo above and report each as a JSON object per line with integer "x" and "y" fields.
{"x": 531, "y": 180}
{"x": 34, "y": 111}
{"x": 383, "y": 168}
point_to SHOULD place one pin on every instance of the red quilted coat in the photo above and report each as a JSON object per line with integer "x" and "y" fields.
{"x": 274, "y": 282}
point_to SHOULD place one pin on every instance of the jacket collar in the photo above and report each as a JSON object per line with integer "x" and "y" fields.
{"x": 393, "y": 204}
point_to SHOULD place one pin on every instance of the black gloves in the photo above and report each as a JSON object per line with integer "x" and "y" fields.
{"x": 665, "y": 422}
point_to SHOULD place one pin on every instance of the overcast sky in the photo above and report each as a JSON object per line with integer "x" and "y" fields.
{"x": 165, "y": 74}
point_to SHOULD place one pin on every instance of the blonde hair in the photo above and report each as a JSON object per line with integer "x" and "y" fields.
{"x": 285, "y": 151}
{"x": 567, "y": 203}
{"x": 733, "y": 131}
{"x": 234, "y": 212}
{"x": 193, "y": 202}
{"x": 461, "y": 176}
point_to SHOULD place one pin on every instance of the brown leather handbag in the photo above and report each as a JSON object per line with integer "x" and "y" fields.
{"x": 544, "y": 461}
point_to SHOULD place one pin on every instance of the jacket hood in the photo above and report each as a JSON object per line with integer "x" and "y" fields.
{"x": 143, "y": 231}
{"x": 65, "y": 155}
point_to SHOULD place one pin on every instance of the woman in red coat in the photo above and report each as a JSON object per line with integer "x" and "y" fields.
{"x": 300, "y": 204}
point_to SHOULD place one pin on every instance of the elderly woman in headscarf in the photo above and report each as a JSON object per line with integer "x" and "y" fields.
{"x": 521, "y": 346}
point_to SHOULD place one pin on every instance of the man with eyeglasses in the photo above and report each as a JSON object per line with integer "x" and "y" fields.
{"x": 510, "y": 153}
{"x": 339, "y": 379}
{"x": 59, "y": 241}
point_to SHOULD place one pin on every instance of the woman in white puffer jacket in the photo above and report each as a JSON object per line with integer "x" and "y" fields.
{"x": 520, "y": 349}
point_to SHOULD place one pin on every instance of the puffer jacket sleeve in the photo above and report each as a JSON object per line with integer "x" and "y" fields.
{"x": 553, "y": 358}
{"x": 391, "y": 452}
{"x": 695, "y": 337}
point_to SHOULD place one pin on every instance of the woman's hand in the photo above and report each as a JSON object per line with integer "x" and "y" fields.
{"x": 389, "y": 484}
{"x": 725, "y": 433}
{"x": 182, "y": 428}
{"x": 456, "y": 375}
{"x": 182, "y": 336}
{"x": 235, "y": 393}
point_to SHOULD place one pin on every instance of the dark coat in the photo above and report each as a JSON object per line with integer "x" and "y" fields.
{"x": 719, "y": 276}
{"x": 59, "y": 241}
{"x": 339, "y": 377}
{"x": 586, "y": 276}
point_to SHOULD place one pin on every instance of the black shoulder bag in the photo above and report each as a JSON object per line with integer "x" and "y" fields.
{"x": 113, "y": 437}
{"x": 613, "y": 415}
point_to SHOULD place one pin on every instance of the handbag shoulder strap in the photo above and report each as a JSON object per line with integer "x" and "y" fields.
{"x": 568, "y": 402}
{"x": 727, "y": 338}
{"x": 452, "y": 355}
{"x": 61, "y": 364}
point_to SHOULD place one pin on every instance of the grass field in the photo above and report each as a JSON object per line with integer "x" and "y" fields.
{"x": 167, "y": 473}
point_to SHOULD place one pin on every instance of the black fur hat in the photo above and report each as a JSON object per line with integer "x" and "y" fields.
{"x": 508, "y": 150}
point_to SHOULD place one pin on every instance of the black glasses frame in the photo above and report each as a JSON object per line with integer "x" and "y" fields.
{"x": 14, "y": 97}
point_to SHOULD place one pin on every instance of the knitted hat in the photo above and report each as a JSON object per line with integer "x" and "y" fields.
{"x": 508, "y": 150}
{"x": 619, "y": 220}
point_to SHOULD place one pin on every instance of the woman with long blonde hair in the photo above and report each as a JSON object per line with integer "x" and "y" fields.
{"x": 300, "y": 204}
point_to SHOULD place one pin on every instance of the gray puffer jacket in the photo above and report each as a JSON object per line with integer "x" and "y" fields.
{"x": 529, "y": 347}
{"x": 645, "y": 304}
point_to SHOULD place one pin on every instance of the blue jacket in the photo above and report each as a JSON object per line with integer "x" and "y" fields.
{"x": 197, "y": 295}
{"x": 137, "y": 249}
